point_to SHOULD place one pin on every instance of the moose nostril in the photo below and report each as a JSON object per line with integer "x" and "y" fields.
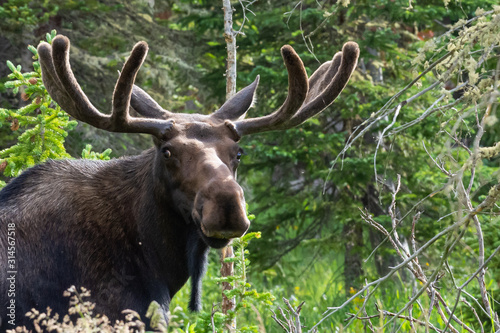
{"x": 220, "y": 207}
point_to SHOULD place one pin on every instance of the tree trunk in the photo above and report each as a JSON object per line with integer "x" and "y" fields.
{"x": 353, "y": 237}
{"x": 230, "y": 37}
{"x": 227, "y": 269}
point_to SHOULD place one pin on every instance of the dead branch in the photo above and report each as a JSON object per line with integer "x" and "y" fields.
{"x": 289, "y": 322}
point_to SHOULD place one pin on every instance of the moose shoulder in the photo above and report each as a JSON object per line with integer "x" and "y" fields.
{"x": 133, "y": 230}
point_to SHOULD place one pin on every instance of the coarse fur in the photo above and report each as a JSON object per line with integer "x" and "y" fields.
{"x": 90, "y": 228}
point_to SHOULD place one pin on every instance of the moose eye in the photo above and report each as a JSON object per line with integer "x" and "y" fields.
{"x": 238, "y": 155}
{"x": 166, "y": 153}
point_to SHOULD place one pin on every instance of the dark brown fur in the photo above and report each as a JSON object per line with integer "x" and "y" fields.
{"x": 83, "y": 230}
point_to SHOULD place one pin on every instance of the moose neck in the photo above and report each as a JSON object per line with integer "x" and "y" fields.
{"x": 167, "y": 226}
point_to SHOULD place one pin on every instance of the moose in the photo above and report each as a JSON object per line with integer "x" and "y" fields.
{"x": 133, "y": 230}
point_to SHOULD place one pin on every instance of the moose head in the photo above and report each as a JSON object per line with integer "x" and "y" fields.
{"x": 133, "y": 230}
{"x": 197, "y": 155}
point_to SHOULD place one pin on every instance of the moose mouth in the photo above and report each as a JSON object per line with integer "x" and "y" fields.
{"x": 214, "y": 242}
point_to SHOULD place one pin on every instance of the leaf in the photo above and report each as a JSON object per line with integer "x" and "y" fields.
{"x": 11, "y": 66}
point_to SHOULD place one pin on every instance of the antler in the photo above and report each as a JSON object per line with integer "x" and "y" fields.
{"x": 61, "y": 84}
{"x": 306, "y": 97}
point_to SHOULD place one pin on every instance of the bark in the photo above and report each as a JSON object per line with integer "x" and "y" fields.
{"x": 227, "y": 269}
{"x": 230, "y": 37}
{"x": 353, "y": 236}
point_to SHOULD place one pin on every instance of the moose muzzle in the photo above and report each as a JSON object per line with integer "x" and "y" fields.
{"x": 220, "y": 209}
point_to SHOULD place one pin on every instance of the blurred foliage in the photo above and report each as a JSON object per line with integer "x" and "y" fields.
{"x": 16, "y": 15}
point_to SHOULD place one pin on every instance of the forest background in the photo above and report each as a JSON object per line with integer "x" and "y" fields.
{"x": 380, "y": 213}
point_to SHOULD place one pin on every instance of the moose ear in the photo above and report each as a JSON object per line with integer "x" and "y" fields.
{"x": 239, "y": 104}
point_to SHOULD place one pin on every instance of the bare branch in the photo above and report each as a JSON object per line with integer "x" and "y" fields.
{"x": 290, "y": 323}
{"x": 410, "y": 319}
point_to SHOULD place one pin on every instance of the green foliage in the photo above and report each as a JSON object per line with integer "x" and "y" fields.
{"x": 16, "y": 15}
{"x": 88, "y": 154}
{"x": 246, "y": 298}
{"x": 42, "y": 125}
{"x": 241, "y": 288}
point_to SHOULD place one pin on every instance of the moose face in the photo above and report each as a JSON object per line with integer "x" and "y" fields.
{"x": 200, "y": 159}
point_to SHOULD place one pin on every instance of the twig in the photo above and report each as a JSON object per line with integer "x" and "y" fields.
{"x": 391, "y": 314}
{"x": 291, "y": 323}
{"x": 382, "y": 112}
{"x": 279, "y": 321}
{"x": 430, "y": 110}
{"x": 440, "y": 167}
{"x": 416, "y": 217}
{"x": 485, "y": 204}
{"x": 331, "y": 310}
{"x": 481, "y": 268}
{"x": 477, "y": 224}
{"x": 475, "y": 314}
{"x": 415, "y": 268}
{"x": 212, "y": 319}
{"x": 381, "y": 137}
{"x": 401, "y": 220}
{"x": 244, "y": 9}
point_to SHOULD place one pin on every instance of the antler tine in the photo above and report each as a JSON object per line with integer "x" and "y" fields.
{"x": 321, "y": 98}
{"x": 63, "y": 87}
{"x": 49, "y": 76}
{"x": 323, "y": 76}
{"x": 146, "y": 105}
{"x": 125, "y": 84}
{"x": 297, "y": 91}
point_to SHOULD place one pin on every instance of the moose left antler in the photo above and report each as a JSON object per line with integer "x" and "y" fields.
{"x": 306, "y": 97}
{"x": 62, "y": 85}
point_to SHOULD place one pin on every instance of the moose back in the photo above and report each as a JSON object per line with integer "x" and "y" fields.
{"x": 134, "y": 229}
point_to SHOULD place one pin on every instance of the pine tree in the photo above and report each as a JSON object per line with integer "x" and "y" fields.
{"x": 42, "y": 125}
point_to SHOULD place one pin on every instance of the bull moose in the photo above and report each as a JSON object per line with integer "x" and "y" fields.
{"x": 134, "y": 229}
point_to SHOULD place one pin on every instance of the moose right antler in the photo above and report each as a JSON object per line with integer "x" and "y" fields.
{"x": 61, "y": 84}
